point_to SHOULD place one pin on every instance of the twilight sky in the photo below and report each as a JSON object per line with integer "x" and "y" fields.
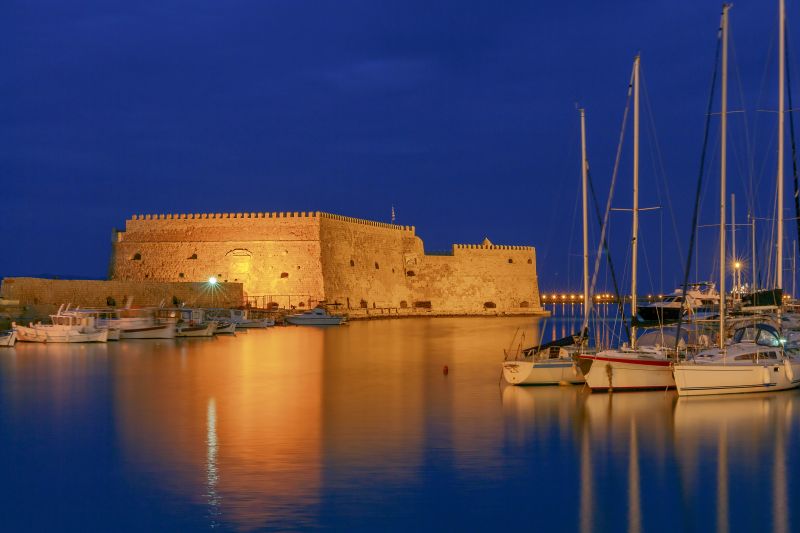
{"x": 459, "y": 113}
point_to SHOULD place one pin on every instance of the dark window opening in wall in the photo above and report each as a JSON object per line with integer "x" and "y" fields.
{"x": 403, "y": 304}
{"x": 352, "y": 263}
{"x": 193, "y": 256}
{"x": 489, "y": 305}
{"x": 110, "y": 301}
{"x": 377, "y": 266}
{"x": 364, "y": 304}
{"x": 180, "y": 275}
{"x": 392, "y": 271}
{"x": 302, "y": 304}
{"x": 422, "y": 304}
{"x": 510, "y": 260}
{"x": 411, "y": 274}
{"x": 530, "y": 261}
{"x": 524, "y": 304}
{"x": 175, "y": 300}
{"x": 298, "y": 267}
{"x": 272, "y": 305}
{"x": 146, "y": 276}
{"x": 136, "y": 257}
{"x": 219, "y": 275}
{"x": 284, "y": 274}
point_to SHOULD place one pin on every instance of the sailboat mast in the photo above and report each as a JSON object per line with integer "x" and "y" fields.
{"x": 587, "y": 301}
{"x": 723, "y": 150}
{"x": 635, "y": 239}
{"x": 781, "y": 117}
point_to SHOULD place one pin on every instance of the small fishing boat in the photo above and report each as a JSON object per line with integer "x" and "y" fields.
{"x": 241, "y": 318}
{"x": 225, "y": 328}
{"x": 64, "y": 329}
{"x": 315, "y": 317}
{"x": 8, "y": 337}
{"x": 196, "y": 330}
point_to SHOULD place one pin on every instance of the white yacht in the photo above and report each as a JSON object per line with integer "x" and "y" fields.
{"x": 701, "y": 298}
{"x": 755, "y": 361}
{"x": 315, "y": 317}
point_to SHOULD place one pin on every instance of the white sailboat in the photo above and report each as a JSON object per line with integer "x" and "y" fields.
{"x": 756, "y": 360}
{"x": 631, "y": 367}
{"x": 555, "y": 363}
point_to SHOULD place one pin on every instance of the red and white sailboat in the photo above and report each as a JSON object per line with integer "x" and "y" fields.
{"x": 631, "y": 367}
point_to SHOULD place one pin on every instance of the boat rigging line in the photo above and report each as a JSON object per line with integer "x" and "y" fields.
{"x": 699, "y": 189}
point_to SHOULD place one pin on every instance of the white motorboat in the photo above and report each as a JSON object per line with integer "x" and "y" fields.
{"x": 100, "y": 322}
{"x": 64, "y": 328}
{"x": 701, "y": 298}
{"x": 315, "y": 317}
{"x": 239, "y": 317}
{"x": 8, "y": 338}
{"x": 141, "y": 323}
{"x": 755, "y": 361}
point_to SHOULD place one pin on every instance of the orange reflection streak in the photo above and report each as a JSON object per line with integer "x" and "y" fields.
{"x": 239, "y": 434}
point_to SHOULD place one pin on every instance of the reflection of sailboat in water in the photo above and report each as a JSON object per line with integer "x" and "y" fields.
{"x": 629, "y": 422}
{"x": 540, "y": 409}
{"x": 751, "y": 429}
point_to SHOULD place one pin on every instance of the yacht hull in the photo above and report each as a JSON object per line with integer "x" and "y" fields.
{"x": 621, "y": 374}
{"x": 707, "y": 379}
{"x": 541, "y": 373}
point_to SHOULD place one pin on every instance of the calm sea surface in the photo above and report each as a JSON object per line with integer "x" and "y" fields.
{"x": 358, "y": 428}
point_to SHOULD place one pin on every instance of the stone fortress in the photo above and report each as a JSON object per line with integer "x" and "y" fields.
{"x": 302, "y": 259}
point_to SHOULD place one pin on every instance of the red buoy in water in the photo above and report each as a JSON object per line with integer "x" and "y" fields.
{"x": 445, "y": 370}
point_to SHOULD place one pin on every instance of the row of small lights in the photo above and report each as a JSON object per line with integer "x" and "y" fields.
{"x": 576, "y": 297}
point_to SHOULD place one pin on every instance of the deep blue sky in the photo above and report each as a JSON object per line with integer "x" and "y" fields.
{"x": 461, "y": 114}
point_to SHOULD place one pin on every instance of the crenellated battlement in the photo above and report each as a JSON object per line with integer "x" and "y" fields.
{"x": 491, "y": 247}
{"x": 274, "y": 215}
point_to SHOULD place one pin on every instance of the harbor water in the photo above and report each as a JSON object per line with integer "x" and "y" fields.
{"x": 361, "y": 428}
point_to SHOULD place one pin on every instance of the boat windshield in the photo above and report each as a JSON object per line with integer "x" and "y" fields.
{"x": 761, "y": 334}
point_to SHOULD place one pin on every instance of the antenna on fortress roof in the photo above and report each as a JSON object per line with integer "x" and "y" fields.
{"x": 392, "y": 214}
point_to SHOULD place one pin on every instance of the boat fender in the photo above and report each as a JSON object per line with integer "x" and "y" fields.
{"x": 610, "y": 374}
{"x": 787, "y": 363}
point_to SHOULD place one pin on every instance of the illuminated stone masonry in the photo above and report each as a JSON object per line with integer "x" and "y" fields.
{"x": 300, "y": 259}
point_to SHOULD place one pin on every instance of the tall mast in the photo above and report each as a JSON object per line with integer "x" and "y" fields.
{"x": 634, "y": 242}
{"x": 781, "y": 109}
{"x": 723, "y": 150}
{"x": 733, "y": 244}
{"x": 587, "y": 301}
{"x": 753, "y": 251}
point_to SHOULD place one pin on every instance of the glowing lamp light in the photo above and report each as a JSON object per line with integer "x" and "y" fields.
{"x": 737, "y": 265}
{"x": 212, "y": 280}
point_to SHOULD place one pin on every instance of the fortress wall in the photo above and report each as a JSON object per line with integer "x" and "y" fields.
{"x": 376, "y": 276}
{"x": 274, "y": 268}
{"x": 275, "y": 255}
{"x": 475, "y": 275}
{"x": 93, "y": 293}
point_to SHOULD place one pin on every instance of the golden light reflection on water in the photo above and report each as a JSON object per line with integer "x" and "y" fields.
{"x": 267, "y": 429}
{"x": 245, "y": 427}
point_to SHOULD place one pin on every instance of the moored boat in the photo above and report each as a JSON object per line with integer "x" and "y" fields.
{"x": 64, "y": 329}
{"x": 8, "y": 338}
{"x": 315, "y": 317}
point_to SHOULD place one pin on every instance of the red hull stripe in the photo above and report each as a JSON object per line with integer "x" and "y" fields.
{"x": 603, "y": 389}
{"x": 645, "y": 362}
